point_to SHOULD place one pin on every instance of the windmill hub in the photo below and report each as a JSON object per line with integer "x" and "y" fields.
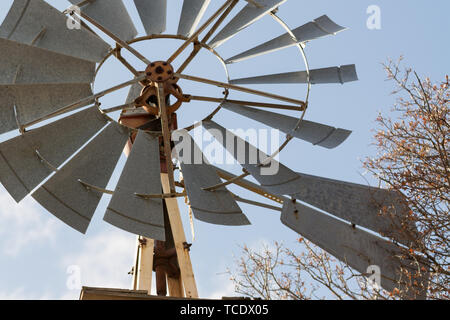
{"x": 159, "y": 71}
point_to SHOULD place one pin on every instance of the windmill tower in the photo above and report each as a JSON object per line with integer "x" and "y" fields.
{"x": 46, "y": 95}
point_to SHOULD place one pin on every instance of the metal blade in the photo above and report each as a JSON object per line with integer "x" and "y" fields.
{"x": 35, "y": 101}
{"x": 27, "y": 19}
{"x": 24, "y": 64}
{"x": 216, "y": 207}
{"x": 320, "y": 27}
{"x": 355, "y": 247}
{"x": 23, "y": 159}
{"x": 112, "y": 15}
{"x": 135, "y": 91}
{"x": 275, "y": 177}
{"x": 358, "y": 204}
{"x": 191, "y": 14}
{"x": 68, "y": 199}
{"x": 313, "y": 132}
{"x": 247, "y": 16}
{"x": 153, "y": 15}
{"x": 141, "y": 175}
{"x": 341, "y": 75}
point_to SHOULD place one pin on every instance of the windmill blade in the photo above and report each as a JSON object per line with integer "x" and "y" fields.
{"x": 320, "y": 27}
{"x": 153, "y": 15}
{"x": 65, "y": 196}
{"x": 134, "y": 92}
{"x": 25, "y": 64}
{"x": 342, "y": 74}
{"x": 34, "y": 101}
{"x": 111, "y": 15}
{"x": 247, "y": 16}
{"x": 191, "y": 14}
{"x": 353, "y": 246}
{"x": 274, "y": 177}
{"x": 141, "y": 175}
{"x": 313, "y": 132}
{"x": 358, "y": 204}
{"x": 22, "y": 169}
{"x": 39, "y": 23}
{"x": 216, "y": 207}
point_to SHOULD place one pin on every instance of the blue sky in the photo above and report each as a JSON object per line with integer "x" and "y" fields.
{"x": 36, "y": 249}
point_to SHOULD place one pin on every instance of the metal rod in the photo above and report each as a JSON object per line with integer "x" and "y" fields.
{"x": 231, "y": 181}
{"x": 253, "y": 187}
{"x": 127, "y": 65}
{"x": 238, "y": 88}
{"x": 206, "y": 38}
{"x": 161, "y": 196}
{"x": 122, "y": 43}
{"x": 118, "y": 108}
{"x": 248, "y": 103}
{"x": 255, "y": 203}
{"x": 200, "y": 30}
{"x": 83, "y": 102}
{"x": 91, "y": 186}
{"x": 166, "y": 135}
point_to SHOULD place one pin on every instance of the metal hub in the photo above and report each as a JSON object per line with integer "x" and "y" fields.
{"x": 159, "y": 71}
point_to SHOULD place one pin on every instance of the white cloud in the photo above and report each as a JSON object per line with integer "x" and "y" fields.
{"x": 224, "y": 288}
{"x": 22, "y": 294}
{"x": 104, "y": 261}
{"x": 22, "y": 224}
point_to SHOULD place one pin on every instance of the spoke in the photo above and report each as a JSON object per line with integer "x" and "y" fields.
{"x": 238, "y": 88}
{"x": 255, "y": 203}
{"x": 196, "y": 34}
{"x": 118, "y": 55}
{"x": 84, "y": 102}
{"x": 122, "y": 43}
{"x": 243, "y": 183}
{"x": 166, "y": 135}
{"x": 224, "y": 184}
{"x": 208, "y": 35}
{"x": 247, "y": 103}
{"x": 119, "y": 108}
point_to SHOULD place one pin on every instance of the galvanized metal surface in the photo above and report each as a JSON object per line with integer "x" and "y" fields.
{"x": 341, "y": 75}
{"x": 21, "y": 169}
{"x": 112, "y": 15}
{"x": 69, "y": 200}
{"x": 191, "y": 14}
{"x": 247, "y": 16}
{"x": 24, "y": 64}
{"x": 141, "y": 174}
{"x": 35, "y": 101}
{"x": 359, "y": 249}
{"x": 320, "y": 27}
{"x": 153, "y": 15}
{"x": 313, "y": 132}
{"x": 275, "y": 177}
{"x": 356, "y": 203}
{"x": 26, "y": 19}
{"x": 134, "y": 92}
{"x": 217, "y": 207}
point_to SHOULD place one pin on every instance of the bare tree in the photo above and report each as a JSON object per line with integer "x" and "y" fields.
{"x": 413, "y": 158}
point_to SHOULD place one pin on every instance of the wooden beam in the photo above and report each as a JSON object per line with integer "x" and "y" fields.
{"x": 175, "y": 286}
{"x": 145, "y": 266}
{"x": 184, "y": 259}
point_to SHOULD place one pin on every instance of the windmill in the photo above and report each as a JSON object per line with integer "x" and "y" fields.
{"x": 46, "y": 94}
